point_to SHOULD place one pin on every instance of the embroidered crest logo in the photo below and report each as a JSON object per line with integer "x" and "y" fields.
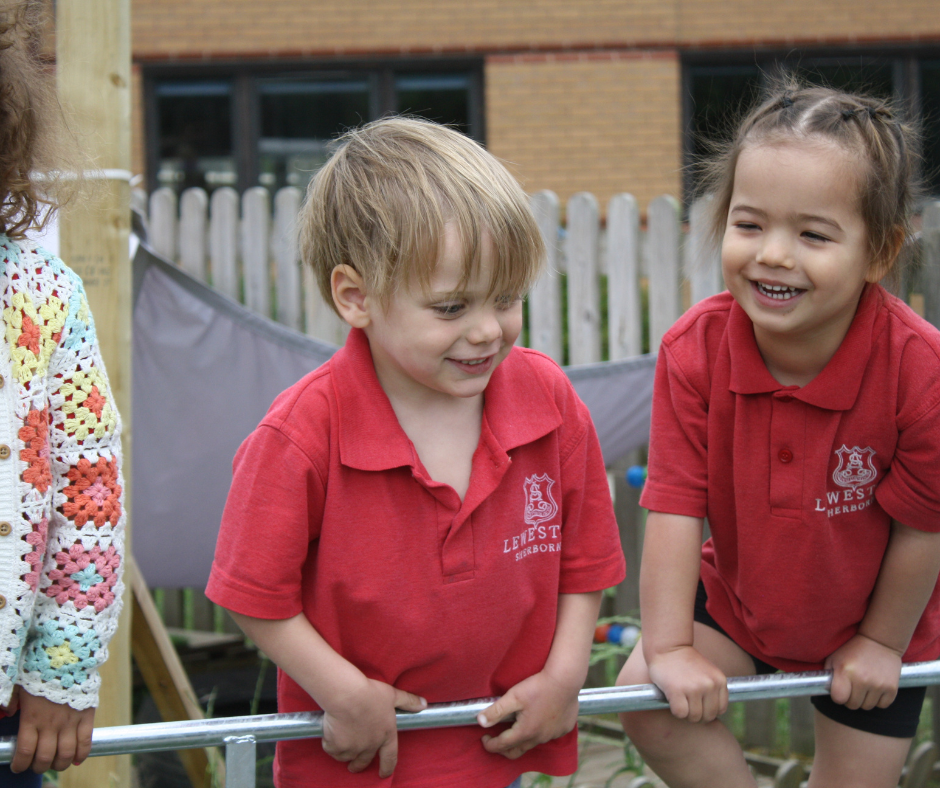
{"x": 539, "y": 503}
{"x": 855, "y": 467}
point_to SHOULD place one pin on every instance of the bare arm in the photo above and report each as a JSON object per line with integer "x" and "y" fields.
{"x": 672, "y": 549}
{"x": 546, "y": 704}
{"x": 359, "y": 713}
{"x": 868, "y": 666}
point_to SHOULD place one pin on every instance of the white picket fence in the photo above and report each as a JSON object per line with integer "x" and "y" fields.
{"x": 249, "y": 251}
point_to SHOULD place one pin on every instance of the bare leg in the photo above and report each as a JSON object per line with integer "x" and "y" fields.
{"x": 849, "y": 758}
{"x": 686, "y": 754}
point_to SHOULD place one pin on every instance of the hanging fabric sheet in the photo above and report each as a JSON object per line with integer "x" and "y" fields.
{"x": 205, "y": 371}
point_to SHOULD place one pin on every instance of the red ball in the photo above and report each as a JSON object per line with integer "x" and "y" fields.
{"x": 600, "y": 633}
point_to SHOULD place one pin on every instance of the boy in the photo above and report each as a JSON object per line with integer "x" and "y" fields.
{"x": 426, "y": 517}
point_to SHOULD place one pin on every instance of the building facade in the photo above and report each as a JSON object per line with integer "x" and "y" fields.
{"x": 576, "y": 95}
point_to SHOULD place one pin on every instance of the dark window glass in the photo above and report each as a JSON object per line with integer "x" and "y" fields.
{"x": 721, "y": 95}
{"x": 298, "y": 121}
{"x": 195, "y": 127}
{"x": 930, "y": 105}
{"x": 866, "y": 76}
{"x": 444, "y": 98}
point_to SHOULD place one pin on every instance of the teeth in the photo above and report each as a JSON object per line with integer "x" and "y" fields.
{"x": 779, "y": 292}
{"x": 474, "y": 363}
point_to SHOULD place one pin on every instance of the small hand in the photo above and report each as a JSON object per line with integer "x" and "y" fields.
{"x": 51, "y": 735}
{"x": 545, "y": 707}
{"x": 696, "y": 689}
{"x": 365, "y": 725}
{"x": 865, "y": 674}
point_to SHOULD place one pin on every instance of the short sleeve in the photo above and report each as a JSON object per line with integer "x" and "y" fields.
{"x": 592, "y": 558}
{"x": 910, "y": 491}
{"x": 272, "y": 517}
{"x": 677, "y": 479}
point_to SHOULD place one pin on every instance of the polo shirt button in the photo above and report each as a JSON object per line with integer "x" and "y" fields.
{"x": 4, "y": 451}
{"x": 785, "y": 455}
{"x": 5, "y": 529}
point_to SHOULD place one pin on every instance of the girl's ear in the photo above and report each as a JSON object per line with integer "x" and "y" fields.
{"x": 885, "y": 262}
{"x": 349, "y": 295}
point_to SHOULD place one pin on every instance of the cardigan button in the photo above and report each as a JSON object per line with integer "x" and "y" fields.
{"x": 4, "y": 451}
{"x": 2, "y": 381}
{"x": 3, "y": 602}
{"x": 785, "y": 455}
{"x": 5, "y": 529}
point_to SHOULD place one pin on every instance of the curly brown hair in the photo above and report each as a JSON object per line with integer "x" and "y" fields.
{"x": 37, "y": 175}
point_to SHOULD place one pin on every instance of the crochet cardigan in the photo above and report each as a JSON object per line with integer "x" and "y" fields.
{"x": 61, "y": 503}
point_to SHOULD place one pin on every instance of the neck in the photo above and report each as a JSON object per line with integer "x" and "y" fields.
{"x": 796, "y": 361}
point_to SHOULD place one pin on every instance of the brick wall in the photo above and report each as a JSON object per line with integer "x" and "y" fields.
{"x": 197, "y": 28}
{"x": 737, "y": 21}
{"x": 194, "y": 27}
{"x": 598, "y": 124}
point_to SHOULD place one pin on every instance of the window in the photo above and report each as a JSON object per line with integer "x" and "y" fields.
{"x": 195, "y": 134}
{"x": 247, "y": 126}
{"x": 718, "y": 90}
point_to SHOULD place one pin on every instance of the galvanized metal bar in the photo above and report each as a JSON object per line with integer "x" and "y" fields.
{"x": 240, "y": 760}
{"x": 157, "y": 736}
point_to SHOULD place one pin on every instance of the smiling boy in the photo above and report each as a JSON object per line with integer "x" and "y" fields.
{"x": 363, "y": 546}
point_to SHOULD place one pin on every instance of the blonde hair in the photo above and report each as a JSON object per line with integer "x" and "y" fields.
{"x": 380, "y": 204}
{"x": 863, "y": 126}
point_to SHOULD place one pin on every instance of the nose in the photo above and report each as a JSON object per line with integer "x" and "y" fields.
{"x": 486, "y": 328}
{"x": 775, "y": 251}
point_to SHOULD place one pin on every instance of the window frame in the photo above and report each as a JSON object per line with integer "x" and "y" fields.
{"x": 905, "y": 62}
{"x": 246, "y": 77}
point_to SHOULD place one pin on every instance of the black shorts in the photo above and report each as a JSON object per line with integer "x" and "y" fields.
{"x": 899, "y": 720}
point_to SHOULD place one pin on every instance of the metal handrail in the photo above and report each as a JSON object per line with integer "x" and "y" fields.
{"x": 242, "y": 733}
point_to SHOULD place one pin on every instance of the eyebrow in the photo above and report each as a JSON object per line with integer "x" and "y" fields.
{"x": 801, "y": 217}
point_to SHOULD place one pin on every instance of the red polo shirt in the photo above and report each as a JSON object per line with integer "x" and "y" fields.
{"x": 331, "y": 513}
{"x": 799, "y": 485}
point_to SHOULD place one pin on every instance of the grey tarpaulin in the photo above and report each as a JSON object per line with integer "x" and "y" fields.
{"x": 205, "y": 371}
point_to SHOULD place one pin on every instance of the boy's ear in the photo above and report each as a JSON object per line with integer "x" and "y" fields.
{"x": 349, "y": 295}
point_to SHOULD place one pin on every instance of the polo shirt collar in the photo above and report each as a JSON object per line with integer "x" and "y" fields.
{"x": 518, "y": 409}
{"x": 836, "y": 387}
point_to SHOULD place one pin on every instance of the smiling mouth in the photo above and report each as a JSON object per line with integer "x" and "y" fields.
{"x": 778, "y": 292}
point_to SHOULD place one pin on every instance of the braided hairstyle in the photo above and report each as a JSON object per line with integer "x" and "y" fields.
{"x": 866, "y": 127}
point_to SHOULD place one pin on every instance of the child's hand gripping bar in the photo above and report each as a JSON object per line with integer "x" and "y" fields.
{"x": 159, "y": 736}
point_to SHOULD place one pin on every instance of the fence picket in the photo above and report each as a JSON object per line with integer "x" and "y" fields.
{"x": 930, "y": 273}
{"x": 256, "y": 223}
{"x": 545, "y": 297}
{"x": 192, "y": 228}
{"x": 581, "y": 247}
{"x": 702, "y": 258}
{"x": 163, "y": 226}
{"x": 624, "y": 323}
{"x": 663, "y": 266}
{"x": 286, "y": 258}
{"x": 223, "y": 240}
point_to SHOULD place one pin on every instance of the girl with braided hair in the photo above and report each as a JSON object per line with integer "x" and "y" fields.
{"x": 799, "y": 412}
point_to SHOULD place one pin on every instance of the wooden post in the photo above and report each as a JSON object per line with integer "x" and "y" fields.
{"x": 93, "y": 73}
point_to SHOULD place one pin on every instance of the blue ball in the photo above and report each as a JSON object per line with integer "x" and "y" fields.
{"x": 614, "y": 633}
{"x": 636, "y": 475}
